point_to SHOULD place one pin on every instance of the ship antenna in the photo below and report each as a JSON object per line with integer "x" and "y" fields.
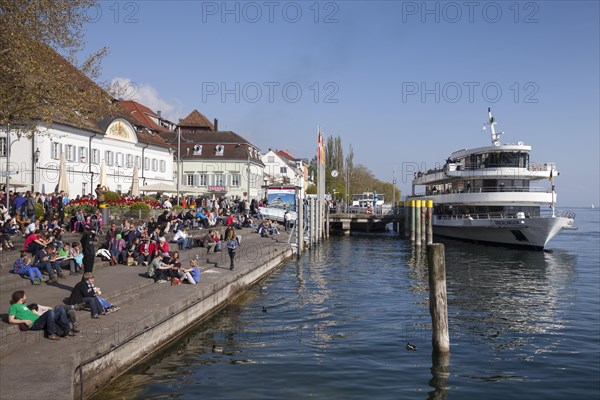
{"x": 492, "y": 122}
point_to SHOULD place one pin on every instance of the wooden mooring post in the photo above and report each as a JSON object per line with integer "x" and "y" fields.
{"x": 413, "y": 218}
{"x": 429, "y": 221}
{"x": 423, "y": 221}
{"x": 418, "y": 223}
{"x": 407, "y": 213}
{"x": 438, "y": 302}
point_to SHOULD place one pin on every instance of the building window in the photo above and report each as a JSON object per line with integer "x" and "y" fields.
{"x": 129, "y": 161}
{"x": 283, "y": 170}
{"x": 219, "y": 181}
{"x": 189, "y": 179}
{"x": 271, "y": 159}
{"x": 83, "y": 154}
{"x": 119, "y": 159}
{"x": 146, "y": 163}
{"x": 163, "y": 166}
{"x": 197, "y": 150}
{"x": 96, "y": 156}
{"x": 70, "y": 153}
{"x": 55, "y": 150}
{"x": 219, "y": 149}
{"x": 84, "y": 188}
{"x": 154, "y": 164}
{"x": 109, "y": 157}
{"x": 3, "y": 147}
{"x": 236, "y": 180}
{"x": 137, "y": 161}
{"x": 202, "y": 181}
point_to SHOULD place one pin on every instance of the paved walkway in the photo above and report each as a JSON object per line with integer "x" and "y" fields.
{"x": 33, "y": 367}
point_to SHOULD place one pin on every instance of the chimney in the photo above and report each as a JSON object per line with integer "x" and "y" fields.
{"x": 158, "y": 114}
{"x": 216, "y": 124}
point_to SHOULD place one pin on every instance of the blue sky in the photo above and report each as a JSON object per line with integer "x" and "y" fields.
{"x": 406, "y": 83}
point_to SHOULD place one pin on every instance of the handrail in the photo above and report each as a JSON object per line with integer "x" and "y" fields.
{"x": 506, "y": 189}
{"x": 534, "y": 167}
{"x": 486, "y": 216}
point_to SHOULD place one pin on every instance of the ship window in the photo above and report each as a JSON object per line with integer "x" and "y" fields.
{"x": 492, "y": 160}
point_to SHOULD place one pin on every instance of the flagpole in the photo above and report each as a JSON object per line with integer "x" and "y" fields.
{"x": 319, "y": 182}
{"x": 553, "y": 192}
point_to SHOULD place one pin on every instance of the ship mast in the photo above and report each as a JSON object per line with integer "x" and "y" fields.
{"x": 492, "y": 122}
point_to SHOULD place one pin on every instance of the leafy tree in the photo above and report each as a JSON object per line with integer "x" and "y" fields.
{"x": 40, "y": 41}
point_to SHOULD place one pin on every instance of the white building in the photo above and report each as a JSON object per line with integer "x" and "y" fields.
{"x": 34, "y": 161}
{"x": 283, "y": 169}
{"x": 217, "y": 163}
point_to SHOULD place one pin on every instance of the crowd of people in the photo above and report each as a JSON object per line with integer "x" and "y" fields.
{"x": 46, "y": 257}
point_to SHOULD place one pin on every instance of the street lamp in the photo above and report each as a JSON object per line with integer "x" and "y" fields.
{"x": 6, "y": 166}
{"x": 178, "y": 160}
{"x": 248, "y": 166}
{"x": 36, "y": 155}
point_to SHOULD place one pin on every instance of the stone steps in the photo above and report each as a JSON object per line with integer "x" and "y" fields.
{"x": 120, "y": 293}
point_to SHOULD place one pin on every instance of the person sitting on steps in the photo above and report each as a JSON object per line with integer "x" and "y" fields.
{"x": 18, "y": 314}
{"x": 209, "y": 241}
{"x": 83, "y": 293}
{"x": 23, "y": 267}
{"x": 51, "y": 266}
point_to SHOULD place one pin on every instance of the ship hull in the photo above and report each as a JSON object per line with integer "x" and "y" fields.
{"x": 532, "y": 233}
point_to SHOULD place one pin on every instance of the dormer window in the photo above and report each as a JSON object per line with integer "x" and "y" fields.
{"x": 219, "y": 150}
{"x": 197, "y": 149}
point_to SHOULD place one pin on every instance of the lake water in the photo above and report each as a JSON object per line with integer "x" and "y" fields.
{"x": 334, "y": 325}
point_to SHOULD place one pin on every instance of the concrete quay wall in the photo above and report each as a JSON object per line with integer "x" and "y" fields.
{"x": 165, "y": 321}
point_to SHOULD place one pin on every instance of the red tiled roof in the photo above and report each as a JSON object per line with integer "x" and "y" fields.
{"x": 197, "y": 120}
{"x": 142, "y": 114}
{"x": 285, "y": 154}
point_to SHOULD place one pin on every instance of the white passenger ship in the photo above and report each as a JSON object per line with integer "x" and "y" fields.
{"x": 488, "y": 194}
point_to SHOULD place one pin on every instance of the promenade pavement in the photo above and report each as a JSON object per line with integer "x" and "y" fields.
{"x": 33, "y": 367}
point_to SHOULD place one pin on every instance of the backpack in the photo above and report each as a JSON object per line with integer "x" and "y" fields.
{"x": 104, "y": 254}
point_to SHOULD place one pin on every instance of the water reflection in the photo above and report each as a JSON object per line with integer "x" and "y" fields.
{"x": 503, "y": 296}
{"x": 440, "y": 372}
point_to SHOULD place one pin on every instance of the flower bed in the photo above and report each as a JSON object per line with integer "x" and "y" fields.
{"x": 122, "y": 205}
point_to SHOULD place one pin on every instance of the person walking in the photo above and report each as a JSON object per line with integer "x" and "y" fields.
{"x": 287, "y": 217}
{"x": 232, "y": 245}
{"x": 87, "y": 247}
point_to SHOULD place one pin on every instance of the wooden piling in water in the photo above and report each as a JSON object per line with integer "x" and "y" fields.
{"x": 418, "y": 222}
{"x": 423, "y": 221}
{"x": 413, "y": 218}
{"x": 300, "y": 225}
{"x": 429, "y": 221}
{"x": 438, "y": 302}
{"x": 407, "y": 210}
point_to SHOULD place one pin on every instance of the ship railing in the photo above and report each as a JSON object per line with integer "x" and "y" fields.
{"x": 461, "y": 167}
{"x": 485, "y": 216}
{"x": 567, "y": 214}
{"x": 506, "y": 189}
